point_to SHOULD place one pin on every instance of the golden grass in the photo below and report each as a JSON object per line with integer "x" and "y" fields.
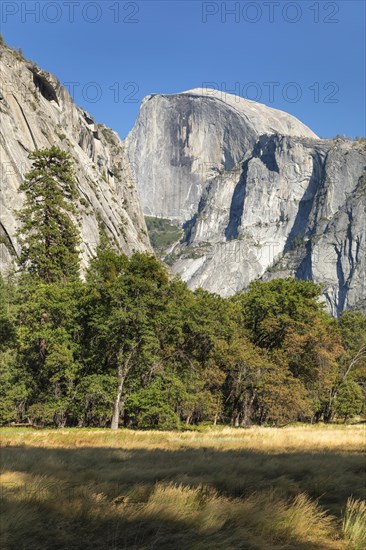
{"x": 259, "y": 488}
{"x": 305, "y": 437}
{"x": 354, "y": 524}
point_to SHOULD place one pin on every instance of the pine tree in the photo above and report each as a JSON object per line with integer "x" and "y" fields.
{"x": 47, "y": 234}
{"x": 6, "y": 330}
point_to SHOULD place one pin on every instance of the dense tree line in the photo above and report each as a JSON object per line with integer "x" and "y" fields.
{"x": 128, "y": 345}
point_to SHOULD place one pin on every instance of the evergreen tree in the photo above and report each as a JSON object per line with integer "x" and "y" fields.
{"x": 7, "y": 332}
{"x": 49, "y": 335}
{"x": 47, "y": 234}
{"x": 13, "y": 376}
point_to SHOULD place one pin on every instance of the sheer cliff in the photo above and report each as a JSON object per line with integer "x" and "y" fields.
{"x": 37, "y": 112}
{"x": 258, "y": 194}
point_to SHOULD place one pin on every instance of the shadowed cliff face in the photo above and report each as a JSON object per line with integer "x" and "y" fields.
{"x": 258, "y": 193}
{"x": 37, "y": 112}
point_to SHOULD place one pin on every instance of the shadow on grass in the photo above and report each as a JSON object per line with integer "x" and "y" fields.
{"x": 95, "y": 497}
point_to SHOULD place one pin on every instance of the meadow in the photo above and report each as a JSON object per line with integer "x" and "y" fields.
{"x": 298, "y": 487}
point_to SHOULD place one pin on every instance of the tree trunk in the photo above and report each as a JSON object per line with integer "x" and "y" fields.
{"x": 247, "y": 409}
{"x": 117, "y": 403}
{"x": 122, "y": 372}
{"x": 328, "y": 416}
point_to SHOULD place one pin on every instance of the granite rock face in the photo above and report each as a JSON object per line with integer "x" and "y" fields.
{"x": 181, "y": 141}
{"x": 259, "y": 195}
{"x": 295, "y": 207}
{"x": 37, "y": 112}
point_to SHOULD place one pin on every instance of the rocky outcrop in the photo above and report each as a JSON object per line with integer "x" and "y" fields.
{"x": 258, "y": 193}
{"x": 303, "y": 215}
{"x": 37, "y": 112}
{"x": 181, "y": 141}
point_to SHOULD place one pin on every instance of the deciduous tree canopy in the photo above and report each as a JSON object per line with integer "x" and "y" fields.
{"x": 129, "y": 345}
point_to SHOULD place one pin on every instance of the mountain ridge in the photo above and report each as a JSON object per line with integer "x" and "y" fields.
{"x": 38, "y": 112}
{"x": 253, "y": 205}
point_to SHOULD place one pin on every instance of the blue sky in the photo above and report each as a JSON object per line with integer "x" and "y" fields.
{"x": 304, "y": 57}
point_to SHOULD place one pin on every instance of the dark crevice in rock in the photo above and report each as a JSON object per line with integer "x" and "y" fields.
{"x": 265, "y": 150}
{"x": 188, "y": 226}
{"x": 346, "y": 252}
{"x": 358, "y": 248}
{"x": 86, "y": 142}
{"x": 351, "y": 259}
{"x": 27, "y": 123}
{"x": 5, "y": 238}
{"x": 188, "y": 229}
{"x": 180, "y": 138}
{"x": 304, "y": 270}
{"x": 45, "y": 87}
{"x": 23, "y": 146}
{"x": 342, "y": 285}
{"x": 237, "y": 205}
{"x": 301, "y": 222}
{"x": 88, "y": 118}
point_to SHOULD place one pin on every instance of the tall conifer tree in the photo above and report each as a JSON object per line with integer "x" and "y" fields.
{"x": 48, "y": 235}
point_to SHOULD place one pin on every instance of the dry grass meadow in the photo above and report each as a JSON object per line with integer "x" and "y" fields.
{"x": 260, "y": 488}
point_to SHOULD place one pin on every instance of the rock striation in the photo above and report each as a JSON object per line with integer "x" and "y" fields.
{"x": 258, "y": 193}
{"x": 37, "y": 112}
{"x": 181, "y": 141}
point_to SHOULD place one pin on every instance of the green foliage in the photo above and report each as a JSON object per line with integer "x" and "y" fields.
{"x": 49, "y": 332}
{"x": 130, "y": 346}
{"x": 94, "y": 398}
{"x": 7, "y": 329}
{"x": 14, "y": 388}
{"x": 349, "y": 400}
{"x": 270, "y": 309}
{"x": 48, "y": 236}
{"x": 285, "y": 317}
{"x": 46, "y": 413}
{"x": 162, "y": 233}
{"x": 353, "y": 329}
{"x": 124, "y": 315}
{"x": 153, "y": 407}
{"x": 297, "y": 241}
